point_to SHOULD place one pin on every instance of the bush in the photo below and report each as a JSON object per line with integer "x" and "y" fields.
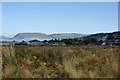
{"x": 22, "y": 51}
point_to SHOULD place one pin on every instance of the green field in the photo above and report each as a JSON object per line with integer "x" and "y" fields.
{"x": 34, "y": 61}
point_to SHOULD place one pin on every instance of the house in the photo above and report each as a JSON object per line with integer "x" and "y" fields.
{"x": 111, "y": 42}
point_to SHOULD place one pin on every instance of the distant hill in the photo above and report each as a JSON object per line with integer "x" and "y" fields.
{"x": 103, "y": 36}
{"x": 31, "y": 36}
{"x": 3, "y": 37}
{"x": 44, "y": 36}
{"x": 66, "y": 35}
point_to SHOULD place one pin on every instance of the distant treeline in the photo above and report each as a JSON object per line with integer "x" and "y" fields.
{"x": 97, "y": 39}
{"x": 76, "y": 41}
{"x": 86, "y": 41}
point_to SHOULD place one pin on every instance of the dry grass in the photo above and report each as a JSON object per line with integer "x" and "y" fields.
{"x": 60, "y": 61}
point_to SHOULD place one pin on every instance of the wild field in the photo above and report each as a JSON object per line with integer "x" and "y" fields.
{"x": 33, "y": 61}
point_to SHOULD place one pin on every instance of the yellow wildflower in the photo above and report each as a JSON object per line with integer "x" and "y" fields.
{"x": 34, "y": 57}
{"x": 44, "y": 64}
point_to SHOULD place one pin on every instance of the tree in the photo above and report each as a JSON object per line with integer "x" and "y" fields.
{"x": 34, "y": 41}
{"x": 45, "y": 41}
{"x": 110, "y": 37}
{"x": 90, "y": 41}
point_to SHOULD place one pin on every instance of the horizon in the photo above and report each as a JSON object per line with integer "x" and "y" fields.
{"x": 58, "y": 33}
{"x": 59, "y": 17}
{"x": 12, "y": 35}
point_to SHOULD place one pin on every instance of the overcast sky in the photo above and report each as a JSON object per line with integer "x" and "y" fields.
{"x": 59, "y": 17}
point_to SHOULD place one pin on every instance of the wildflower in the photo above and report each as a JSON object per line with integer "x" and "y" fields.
{"x": 44, "y": 64}
{"x": 34, "y": 57}
{"x": 18, "y": 67}
{"x": 37, "y": 60}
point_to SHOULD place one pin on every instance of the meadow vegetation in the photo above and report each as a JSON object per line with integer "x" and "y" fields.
{"x": 34, "y": 61}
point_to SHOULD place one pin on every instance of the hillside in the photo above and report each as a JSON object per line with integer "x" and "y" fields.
{"x": 3, "y": 37}
{"x": 31, "y": 36}
{"x": 44, "y": 36}
{"x": 66, "y": 35}
{"x": 103, "y": 36}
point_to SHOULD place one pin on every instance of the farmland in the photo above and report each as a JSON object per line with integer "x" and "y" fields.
{"x": 35, "y": 61}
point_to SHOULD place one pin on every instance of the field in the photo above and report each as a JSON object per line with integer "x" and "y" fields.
{"x": 34, "y": 61}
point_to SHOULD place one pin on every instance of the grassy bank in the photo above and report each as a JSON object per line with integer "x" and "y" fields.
{"x": 60, "y": 61}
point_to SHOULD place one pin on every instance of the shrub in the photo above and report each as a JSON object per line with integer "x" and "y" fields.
{"x": 22, "y": 51}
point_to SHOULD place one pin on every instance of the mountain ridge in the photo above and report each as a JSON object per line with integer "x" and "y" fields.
{"x": 31, "y": 36}
{"x": 43, "y": 35}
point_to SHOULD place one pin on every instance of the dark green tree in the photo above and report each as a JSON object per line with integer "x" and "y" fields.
{"x": 34, "y": 41}
{"x": 110, "y": 37}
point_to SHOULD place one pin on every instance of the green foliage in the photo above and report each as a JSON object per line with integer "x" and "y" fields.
{"x": 55, "y": 55}
{"x": 34, "y": 40}
{"x": 8, "y": 55}
{"x": 90, "y": 41}
{"x": 60, "y": 61}
{"x": 45, "y": 41}
{"x": 76, "y": 41}
{"x": 110, "y": 37}
{"x": 9, "y": 59}
{"x": 22, "y": 51}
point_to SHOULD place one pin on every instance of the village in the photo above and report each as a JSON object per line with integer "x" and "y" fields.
{"x": 36, "y": 42}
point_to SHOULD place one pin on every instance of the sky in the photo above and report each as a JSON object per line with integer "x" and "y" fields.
{"x": 0, "y": 18}
{"x": 59, "y": 17}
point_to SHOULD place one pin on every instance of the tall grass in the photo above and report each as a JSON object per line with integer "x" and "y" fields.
{"x": 60, "y": 61}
